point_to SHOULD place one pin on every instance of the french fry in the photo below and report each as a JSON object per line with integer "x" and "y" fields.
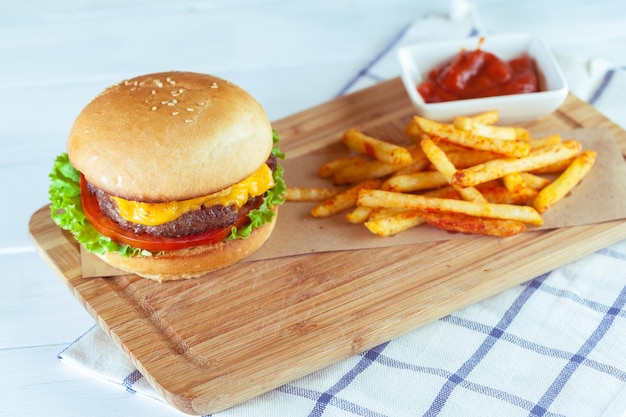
{"x": 498, "y": 168}
{"x": 413, "y": 132}
{"x": 500, "y": 195}
{"x": 514, "y": 182}
{"x": 462, "y": 223}
{"x": 447, "y": 191}
{"x": 438, "y": 158}
{"x": 489, "y": 117}
{"x": 549, "y": 140}
{"x": 469, "y": 157}
{"x": 359, "y": 214}
{"x": 342, "y": 201}
{"x": 487, "y": 130}
{"x": 511, "y": 148}
{"x": 309, "y": 193}
{"x": 492, "y": 117}
{"x": 471, "y": 194}
{"x": 416, "y": 152}
{"x": 330, "y": 167}
{"x": 521, "y": 133}
{"x": 381, "y": 198}
{"x": 534, "y": 181}
{"x": 425, "y": 180}
{"x": 383, "y": 212}
{"x": 465, "y": 123}
{"x": 556, "y": 167}
{"x": 449, "y": 147}
{"x": 396, "y": 223}
{"x": 565, "y": 182}
{"x": 416, "y": 165}
{"x": 447, "y": 169}
{"x": 378, "y": 149}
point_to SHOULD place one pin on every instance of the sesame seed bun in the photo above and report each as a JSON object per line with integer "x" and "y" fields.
{"x": 205, "y": 132}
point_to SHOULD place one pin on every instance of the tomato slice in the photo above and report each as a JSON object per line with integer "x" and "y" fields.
{"x": 111, "y": 229}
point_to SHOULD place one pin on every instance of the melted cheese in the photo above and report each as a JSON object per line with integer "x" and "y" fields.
{"x": 154, "y": 214}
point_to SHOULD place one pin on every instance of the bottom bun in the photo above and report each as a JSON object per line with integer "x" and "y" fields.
{"x": 192, "y": 262}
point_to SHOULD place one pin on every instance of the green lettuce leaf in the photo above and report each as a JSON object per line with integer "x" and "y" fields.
{"x": 273, "y": 197}
{"x": 66, "y": 210}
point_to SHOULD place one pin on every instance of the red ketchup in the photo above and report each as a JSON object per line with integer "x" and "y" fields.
{"x": 475, "y": 74}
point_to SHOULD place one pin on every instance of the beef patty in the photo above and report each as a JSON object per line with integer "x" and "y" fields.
{"x": 191, "y": 223}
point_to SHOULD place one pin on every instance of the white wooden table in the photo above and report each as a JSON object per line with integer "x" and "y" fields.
{"x": 55, "y": 55}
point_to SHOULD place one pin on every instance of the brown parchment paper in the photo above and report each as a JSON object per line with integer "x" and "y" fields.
{"x": 600, "y": 197}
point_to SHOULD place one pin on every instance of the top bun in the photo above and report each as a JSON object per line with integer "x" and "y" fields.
{"x": 170, "y": 136}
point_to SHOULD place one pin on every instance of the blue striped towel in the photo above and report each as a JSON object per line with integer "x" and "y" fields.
{"x": 554, "y": 346}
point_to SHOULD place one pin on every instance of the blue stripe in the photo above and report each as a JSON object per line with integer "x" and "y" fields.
{"x": 612, "y": 253}
{"x": 336, "y": 402}
{"x": 130, "y": 380}
{"x": 602, "y": 87}
{"x": 60, "y": 354}
{"x": 590, "y": 304}
{"x": 328, "y": 397}
{"x": 459, "y": 376}
{"x": 568, "y": 370}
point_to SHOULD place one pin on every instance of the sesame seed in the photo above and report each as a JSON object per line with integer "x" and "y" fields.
{"x": 174, "y": 101}
{"x": 180, "y": 90}
{"x": 189, "y": 108}
{"x": 175, "y": 113}
{"x": 154, "y": 108}
{"x": 188, "y": 120}
{"x": 153, "y": 92}
{"x": 200, "y": 103}
{"x": 171, "y": 104}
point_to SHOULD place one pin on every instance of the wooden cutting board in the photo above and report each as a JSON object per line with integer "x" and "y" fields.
{"x": 211, "y": 343}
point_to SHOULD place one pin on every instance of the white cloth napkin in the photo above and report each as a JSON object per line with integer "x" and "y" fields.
{"x": 553, "y": 346}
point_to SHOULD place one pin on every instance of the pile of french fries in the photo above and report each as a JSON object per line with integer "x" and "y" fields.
{"x": 469, "y": 176}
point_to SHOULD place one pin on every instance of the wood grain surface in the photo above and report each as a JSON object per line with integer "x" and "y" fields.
{"x": 213, "y": 342}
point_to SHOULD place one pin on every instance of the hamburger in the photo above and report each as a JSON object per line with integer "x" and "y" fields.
{"x": 169, "y": 176}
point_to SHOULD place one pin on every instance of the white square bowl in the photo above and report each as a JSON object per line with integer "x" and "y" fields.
{"x": 417, "y": 60}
